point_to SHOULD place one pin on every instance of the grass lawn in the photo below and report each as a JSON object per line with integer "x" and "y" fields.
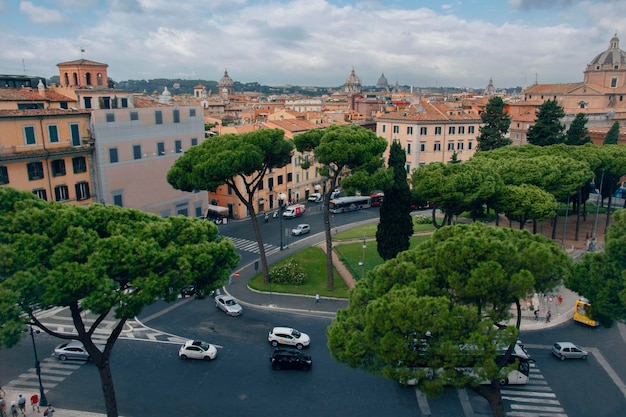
{"x": 350, "y": 253}
{"x": 313, "y": 259}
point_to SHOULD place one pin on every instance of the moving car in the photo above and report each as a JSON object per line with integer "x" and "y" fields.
{"x": 197, "y": 349}
{"x": 315, "y": 197}
{"x": 228, "y": 305}
{"x": 301, "y": 229}
{"x": 290, "y": 359}
{"x": 288, "y": 336}
{"x": 73, "y": 350}
{"x": 568, "y": 350}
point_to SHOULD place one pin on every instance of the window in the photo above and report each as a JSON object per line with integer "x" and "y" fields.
{"x": 176, "y": 116}
{"x": 53, "y": 133}
{"x": 75, "y": 133}
{"x": 423, "y": 130}
{"x": 110, "y": 117}
{"x": 298, "y": 161}
{"x": 230, "y": 190}
{"x": 82, "y": 190}
{"x": 409, "y": 130}
{"x": 384, "y": 128}
{"x": 459, "y": 146}
{"x": 124, "y": 103}
{"x": 134, "y": 115}
{"x": 113, "y": 155}
{"x": 396, "y": 129}
{"x": 408, "y": 148}
{"x": 117, "y": 199}
{"x": 41, "y": 193}
{"x": 160, "y": 148}
{"x": 29, "y": 135}
{"x": 194, "y": 141}
{"x": 408, "y": 168}
{"x": 58, "y": 167}
{"x": 461, "y": 130}
{"x": 64, "y": 105}
{"x": 422, "y": 147}
{"x": 260, "y": 185}
{"x": 79, "y": 164}
{"x": 192, "y": 112}
{"x": 290, "y": 176}
{"x": 438, "y": 130}
{"x": 280, "y": 180}
{"x": 178, "y": 145}
{"x": 451, "y": 130}
{"x": 4, "y": 175}
{"x": 61, "y": 193}
{"x": 450, "y": 146}
{"x": 613, "y": 82}
{"x": 30, "y": 106}
{"x": 470, "y": 129}
{"x": 270, "y": 183}
{"x": 35, "y": 171}
{"x": 469, "y": 145}
{"x": 87, "y": 101}
{"x": 158, "y": 117}
{"x": 136, "y": 151}
{"x": 437, "y": 147}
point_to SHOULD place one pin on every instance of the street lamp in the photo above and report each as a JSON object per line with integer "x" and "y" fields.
{"x": 363, "y": 257}
{"x": 281, "y": 199}
{"x": 42, "y": 395}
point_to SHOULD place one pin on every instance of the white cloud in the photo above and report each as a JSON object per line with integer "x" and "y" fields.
{"x": 37, "y": 14}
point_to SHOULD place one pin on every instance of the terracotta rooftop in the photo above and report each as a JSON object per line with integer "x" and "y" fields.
{"x": 46, "y": 112}
{"x": 30, "y": 94}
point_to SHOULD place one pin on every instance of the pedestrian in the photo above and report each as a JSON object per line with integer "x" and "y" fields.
{"x": 34, "y": 402}
{"x": 317, "y": 298}
{"x": 230, "y": 279}
{"x": 21, "y": 404}
{"x": 548, "y": 315}
{"x": 536, "y": 313}
{"x": 13, "y": 409}
{"x": 560, "y": 299}
{"x": 49, "y": 412}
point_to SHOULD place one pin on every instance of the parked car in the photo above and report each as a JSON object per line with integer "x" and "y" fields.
{"x": 301, "y": 229}
{"x": 197, "y": 349}
{"x": 288, "y": 336}
{"x": 228, "y": 305}
{"x": 568, "y": 350}
{"x": 315, "y": 197}
{"x": 73, "y": 350}
{"x": 188, "y": 291}
{"x": 290, "y": 359}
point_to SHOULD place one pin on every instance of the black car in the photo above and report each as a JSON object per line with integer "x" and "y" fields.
{"x": 290, "y": 359}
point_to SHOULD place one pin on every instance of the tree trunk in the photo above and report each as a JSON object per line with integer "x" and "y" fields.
{"x": 556, "y": 217}
{"x": 329, "y": 245}
{"x": 493, "y": 396}
{"x": 108, "y": 390}
{"x": 259, "y": 239}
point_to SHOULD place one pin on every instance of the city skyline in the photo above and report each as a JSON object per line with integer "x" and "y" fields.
{"x": 459, "y": 43}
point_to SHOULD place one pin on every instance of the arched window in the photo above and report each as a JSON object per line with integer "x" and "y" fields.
{"x": 75, "y": 77}
{"x": 67, "y": 80}
{"x": 88, "y": 78}
{"x": 99, "y": 78}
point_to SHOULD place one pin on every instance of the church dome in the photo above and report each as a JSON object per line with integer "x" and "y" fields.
{"x": 353, "y": 83}
{"x": 226, "y": 81}
{"x": 612, "y": 56}
{"x": 382, "y": 82}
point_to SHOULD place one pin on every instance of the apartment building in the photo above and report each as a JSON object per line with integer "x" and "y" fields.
{"x": 45, "y": 145}
{"x": 431, "y": 132}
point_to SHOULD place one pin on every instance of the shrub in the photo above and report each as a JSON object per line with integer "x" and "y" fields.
{"x": 291, "y": 272}
{"x": 421, "y": 219}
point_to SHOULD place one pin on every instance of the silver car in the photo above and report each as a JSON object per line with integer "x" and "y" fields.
{"x": 73, "y": 350}
{"x": 228, "y": 305}
{"x": 301, "y": 229}
{"x": 568, "y": 350}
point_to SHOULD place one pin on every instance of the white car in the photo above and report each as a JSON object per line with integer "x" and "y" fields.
{"x": 301, "y": 229}
{"x": 288, "y": 336}
{"x": 568, "y": 350}
{"x": 315, "y": 197}
{"x": 228, "y": 305}
{"x": 197, "y": 349}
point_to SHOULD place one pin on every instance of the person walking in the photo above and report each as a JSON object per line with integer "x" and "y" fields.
{"x": 21, "y": 404}
{"x": 49, "y": 412}
{"x": 34, "y": 402}
{"x": 548, "y": 315}
{"x": 536, "y": 313}
{"x": 317, "y": 298}
{"x": 14, "y": 409}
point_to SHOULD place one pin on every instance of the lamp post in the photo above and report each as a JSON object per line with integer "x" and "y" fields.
{"x": 42, "y": 395}
{"x": 363, "y": 257}
{"x": 281, "y": 199}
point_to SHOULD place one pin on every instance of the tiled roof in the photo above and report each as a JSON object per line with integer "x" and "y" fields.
{"x": 428, "y": 112}
{"x": 145, "y": 102}
{"x": 46, "y": 112}
{"x": 30, "y": 94}
{"x": 82, "y": 62}
{"x": 292, "y": 125}
{"x": 551, "y": 88}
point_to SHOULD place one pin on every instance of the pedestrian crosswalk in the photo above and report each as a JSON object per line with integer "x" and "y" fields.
{"x": 53, "y": 371}
{"x": 252, "y": 246}
{"x": 534, "y": 399}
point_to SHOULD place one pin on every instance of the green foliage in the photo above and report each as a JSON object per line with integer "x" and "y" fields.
{"x": 578, "y": 134}
{"x": 548, "y": 129}
{"x": 600, "y": 276}
{"x": 395, "y": 227}
{"x": 421, "y": 219}
{"x": 496, "y": 123}
{"x": 612, "y": 136}
{"x": 291, "y": 272}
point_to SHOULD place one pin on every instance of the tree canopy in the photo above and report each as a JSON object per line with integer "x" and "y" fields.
{"x": 578, "y": 134}
{"x": 456, "y": 289}
{"x": 340, "y": 151}
{"x": 395, "y": 226}
{"x": 548, "y": 129}
{"x": 612, "y": 136}
{"x": 107, "y": 260}
{"x": 240, "y": 161}
{"x": 496, "y": 123}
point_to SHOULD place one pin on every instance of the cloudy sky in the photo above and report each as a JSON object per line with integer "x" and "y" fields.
{"x": 423, "y": 43}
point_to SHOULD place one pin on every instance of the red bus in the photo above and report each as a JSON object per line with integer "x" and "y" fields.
{"x": 377, "y": 199}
